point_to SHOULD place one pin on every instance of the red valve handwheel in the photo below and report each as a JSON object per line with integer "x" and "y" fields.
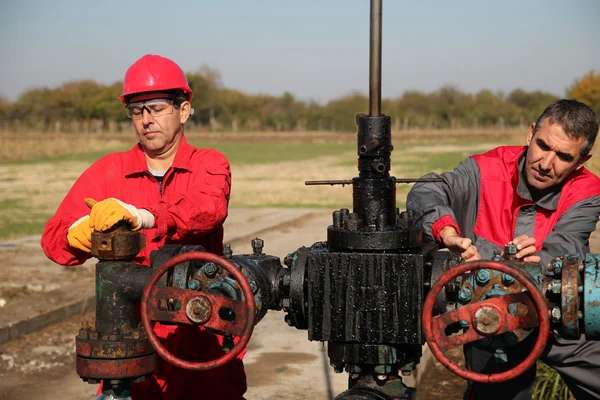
{"x": 249, "y": 303}
{"x": 512, "y": 322}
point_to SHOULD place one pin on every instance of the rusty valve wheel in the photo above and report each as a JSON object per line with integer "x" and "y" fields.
{"x": 199, "y": 308}
{"x": 486, "y": 318}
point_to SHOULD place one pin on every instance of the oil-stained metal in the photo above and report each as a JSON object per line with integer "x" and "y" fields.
{"x": 571, "y": 280}
{"x": 131, "y": 345}
{"x": 224, "y": 314}
{"x": 435, "y": 327}
{"x": 119, "y": 243}
{"x": 221, "y": 307}
{"x": 485, "y": 284}
{"x": 199, "y": 309}
{"x": 350, "y": 181}
{"x": 124, "y": 368}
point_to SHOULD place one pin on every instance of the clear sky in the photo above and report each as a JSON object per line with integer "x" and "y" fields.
{"x": 315, "y": 49}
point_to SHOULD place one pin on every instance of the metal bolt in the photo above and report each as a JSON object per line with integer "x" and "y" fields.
{"x": 510, "y": 250}
{"x": 193, "y": 284}
{"x": 210, "y": 270}
{"x": 337, "y": 219}
{"x": 352, "y": 222}
{"x": 486, "y": 321}
{"x": 464, "y": 323}
{"x": 114, "y": 335}
{"x": 482, "y": 277}
{"x": 500, "y": 356}
{"x": 253, "y": 286}
{"x": 227, "y": 252}
{"x": 508, "y": 279}
{"x": 555, "y": 286}
{"x": 257, "y": 246}
{"x": 497, "y": 255}
{"x": 198, "y": 310}
{"x": 465, "y": 295}
{"x": 579, "y": 315}
{"x": 555, "y": 314}
{"x": 580, "y": 289}
{"x": 285, "y": 304}
{"x": 555, "y": 266}
{"x": 382, "y": 377}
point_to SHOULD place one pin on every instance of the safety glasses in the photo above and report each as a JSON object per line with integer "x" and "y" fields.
{"x": 155, "y": 108}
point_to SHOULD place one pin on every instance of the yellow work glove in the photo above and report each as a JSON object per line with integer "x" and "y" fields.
{"x": 107, "y": 213}
{"x": 80, "y": 234}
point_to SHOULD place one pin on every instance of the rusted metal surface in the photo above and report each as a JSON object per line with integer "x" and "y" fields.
{"x": 94, "y": 345}
{"x": 488, "y": 283}
{"x": 115, "y": 369}
{"x": 480, "y": 316}
{"x": 117, "y": 244}
{"x": 198, "y": 309}
{"x": 216, "y": 304}
{"x": 434, "y": 328}
{"x": 244, "y": 317}
{"x": 569, "y": 310}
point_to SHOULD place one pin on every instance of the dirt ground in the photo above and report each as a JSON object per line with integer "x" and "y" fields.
{"x": 281, "y": 362}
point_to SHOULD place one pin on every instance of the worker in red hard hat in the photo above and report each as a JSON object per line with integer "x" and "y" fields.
{"x": 174, "y": 193}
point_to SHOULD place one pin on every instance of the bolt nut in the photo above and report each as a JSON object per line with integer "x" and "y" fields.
{"x": 285, "y": 304}
{"x": 507, "y": 279}
{"x": 227, "y": 252}
{"x": 482, "y": 277}
{"x": 257, "y": 245}
{"x": 510, "y": 250}
{"x": 210, "y": 270}
{"x": 465, "y": 295}
{"x": 114, "y": 335}
{"x": 555, "y": 286}
{"x": 555, "y": 314}
{"x": 253, "y": 286}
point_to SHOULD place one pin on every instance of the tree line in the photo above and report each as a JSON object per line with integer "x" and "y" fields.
{"x": 90, "y": 106}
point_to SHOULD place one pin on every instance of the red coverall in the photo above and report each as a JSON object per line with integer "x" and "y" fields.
{"x": 190, "y": 209}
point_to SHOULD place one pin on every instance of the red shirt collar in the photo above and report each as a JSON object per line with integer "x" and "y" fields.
{"x": 138, "y": 164}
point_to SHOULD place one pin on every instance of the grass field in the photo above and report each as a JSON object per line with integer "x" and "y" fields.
{"x": 268, "y": 170}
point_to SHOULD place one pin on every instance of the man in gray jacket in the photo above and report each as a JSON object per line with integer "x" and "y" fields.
{"x": 538, "y": 197}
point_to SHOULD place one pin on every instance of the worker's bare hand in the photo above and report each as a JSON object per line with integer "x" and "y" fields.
{"x": 525, "y": 248}
{"x": 458, "y": 244}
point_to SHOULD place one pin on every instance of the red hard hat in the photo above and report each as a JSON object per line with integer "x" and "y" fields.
{"x": 153, "y": 73}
